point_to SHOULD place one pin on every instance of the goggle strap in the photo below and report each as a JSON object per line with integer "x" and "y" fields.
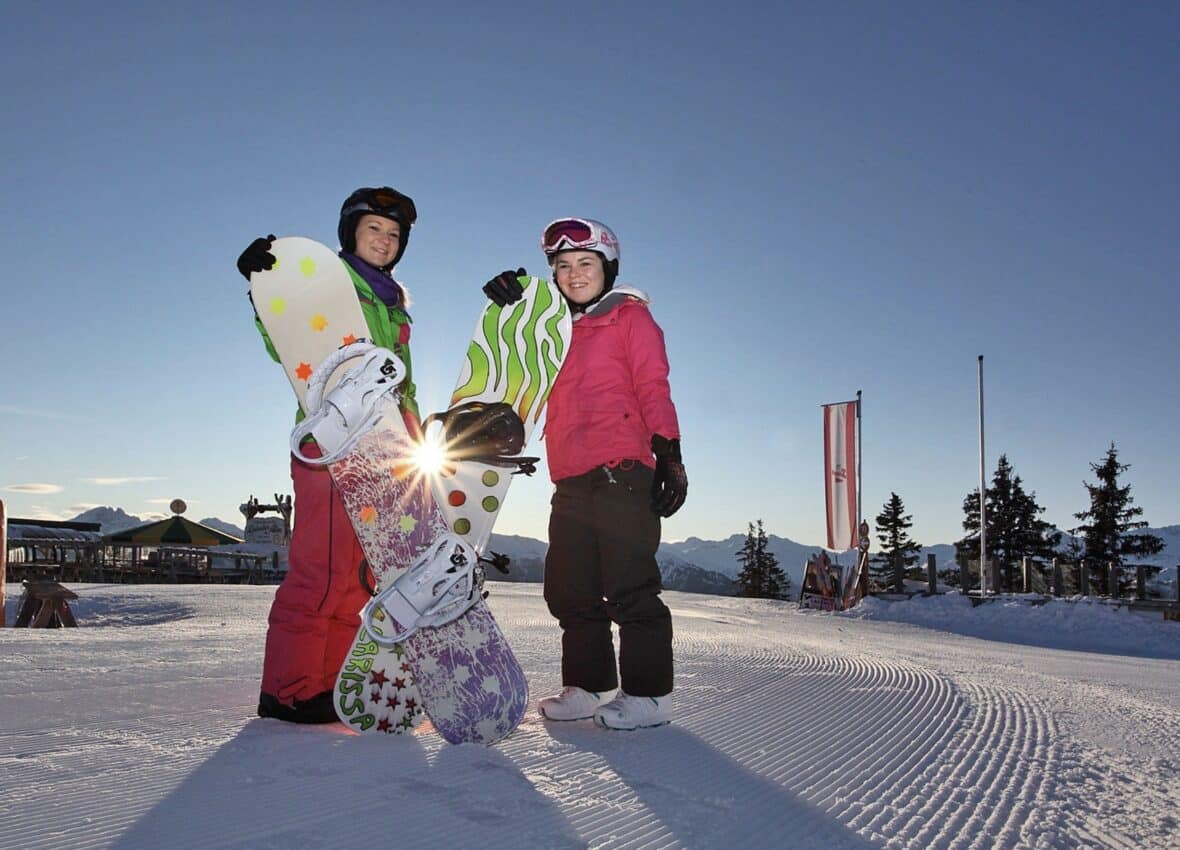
{"x": 384, "y": 211}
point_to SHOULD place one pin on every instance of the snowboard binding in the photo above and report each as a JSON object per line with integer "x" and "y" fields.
{"x": 337, "y": 421}
{"x": 437, "y": 588}
{"x": 484, "y": 433}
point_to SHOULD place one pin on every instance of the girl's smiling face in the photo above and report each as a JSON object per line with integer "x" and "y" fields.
{"x": 579, "y": 275}
{"x": 377, "y": 240}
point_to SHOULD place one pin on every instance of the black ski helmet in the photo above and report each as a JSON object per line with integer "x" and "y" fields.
{"x": 383, "y": 201}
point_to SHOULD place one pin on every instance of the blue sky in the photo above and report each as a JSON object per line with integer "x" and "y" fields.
{"x": 819, "y": 198}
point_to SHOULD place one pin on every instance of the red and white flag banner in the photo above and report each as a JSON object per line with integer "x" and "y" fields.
{"x": 840, "y": 474}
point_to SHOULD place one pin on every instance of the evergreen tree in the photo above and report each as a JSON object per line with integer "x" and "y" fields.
{"x": 1032, "y": 537}
{"x": 1014, "y": 527}
{"x": 760, "y": 576}
{"x": 749, "y": 579}
{"x": 1111, "y": 516}
{"x": 892, "y": 533}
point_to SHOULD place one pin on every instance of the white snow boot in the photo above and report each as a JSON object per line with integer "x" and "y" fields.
{"x": 628, "y": 712}
{"x": 572, "y": 704}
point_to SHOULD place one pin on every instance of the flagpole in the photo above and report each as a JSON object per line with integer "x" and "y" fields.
{"x": 982, "y": 496}
{"x": 859, "y": 467}
{"x": 861, "y": 555}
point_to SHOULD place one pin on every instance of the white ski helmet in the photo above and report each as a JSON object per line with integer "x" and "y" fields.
{"x": 583, "y": 234}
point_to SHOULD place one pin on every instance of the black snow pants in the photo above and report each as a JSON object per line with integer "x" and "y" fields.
{"x": 601, "y": 567}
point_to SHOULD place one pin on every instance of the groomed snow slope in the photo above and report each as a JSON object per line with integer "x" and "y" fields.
{"x": 794, "y": 729}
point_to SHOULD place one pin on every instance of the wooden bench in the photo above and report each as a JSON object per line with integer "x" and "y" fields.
{"x": 45, "y": 605}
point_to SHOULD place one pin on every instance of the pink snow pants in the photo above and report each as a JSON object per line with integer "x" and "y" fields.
{"x": 316, "y": 610}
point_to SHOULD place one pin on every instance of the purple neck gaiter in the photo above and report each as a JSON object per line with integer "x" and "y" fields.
{"x": 384, "y": 286}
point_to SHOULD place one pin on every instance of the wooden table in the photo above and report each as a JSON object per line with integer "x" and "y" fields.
{"x": 45, "y": 605}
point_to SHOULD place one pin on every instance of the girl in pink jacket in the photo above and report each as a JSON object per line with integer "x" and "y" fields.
{"x": 613, "y": 446}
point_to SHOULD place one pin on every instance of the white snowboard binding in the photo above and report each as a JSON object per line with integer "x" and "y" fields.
{"x": 439, "y": 587}
{"x": 351, "y": 409}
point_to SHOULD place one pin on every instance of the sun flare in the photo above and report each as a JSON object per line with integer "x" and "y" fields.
{"x": 430, "y": 456}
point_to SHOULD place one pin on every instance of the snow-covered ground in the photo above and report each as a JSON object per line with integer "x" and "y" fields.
{"x": 902, "y": 724}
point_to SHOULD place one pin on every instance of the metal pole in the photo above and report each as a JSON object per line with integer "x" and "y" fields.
{"x": 982, "y": 495}
{"x": 3, "y": 558}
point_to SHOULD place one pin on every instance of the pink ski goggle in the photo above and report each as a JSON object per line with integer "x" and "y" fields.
{"x": 568, "y": 234}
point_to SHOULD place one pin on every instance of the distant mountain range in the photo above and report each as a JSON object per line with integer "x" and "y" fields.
{"x": 116, "y": 519}
{"x": 692, "y": 565}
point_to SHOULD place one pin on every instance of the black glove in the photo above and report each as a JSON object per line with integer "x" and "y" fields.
{"x": 504, "y": 288}
{"x": 670, "y": 485}
{"x": 257, "y": 257}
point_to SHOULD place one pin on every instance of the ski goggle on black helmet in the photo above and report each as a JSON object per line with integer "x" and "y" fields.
{"x": 385, "y": 202}
{"x": 580, "y": 234}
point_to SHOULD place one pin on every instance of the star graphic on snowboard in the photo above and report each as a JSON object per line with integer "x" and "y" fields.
{"x": 407, "y": 523}
{"x": 318, "y": 322}
{"x": 348, "y": 339}
{"x": 383, "y": 725}
{"x": 303, "y": 371}
{"x": 392, "y": 702}
{"x": 378, "y": 677}
{"x": 399, "y": 683}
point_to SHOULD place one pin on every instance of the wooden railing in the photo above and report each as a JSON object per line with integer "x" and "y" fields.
{"x": 55, "y": 559}
{"x": 1058, "y": 578}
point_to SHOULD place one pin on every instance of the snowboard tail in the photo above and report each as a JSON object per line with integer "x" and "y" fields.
{"x": 474, "y": 689}
{"x": 376, "y": 690}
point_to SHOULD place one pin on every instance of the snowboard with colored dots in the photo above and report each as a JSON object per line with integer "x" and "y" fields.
{"x": 308, "y": 304}
{"x": 473, "y": 687}
{"x": 462, "y": 674}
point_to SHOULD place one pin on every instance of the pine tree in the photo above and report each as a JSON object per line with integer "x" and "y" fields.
{"x": 892, "y": 533}
{"x": 760, "y": 576}
{"x": 1032, "y": 537}
{"x": 1014, "y": 527}
{"x": 1111, "y": 516}
{"x": 749, "y": 579}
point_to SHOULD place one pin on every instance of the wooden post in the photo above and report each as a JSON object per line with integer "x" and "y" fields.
{"x": 1083, "y": 577}
{"x": 1112, "y": 579}
{"x": 1140, "y": 582}
{"x": 898, "y": 573}
{"x": 1058, "y": 579}
{"x": 964, "y": 575}
{"x": 1026, "y": 578}
{"x": 4, "y": 559}
{"x": 931, "y": 573}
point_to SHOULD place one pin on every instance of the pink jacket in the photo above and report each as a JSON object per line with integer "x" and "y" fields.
{"x": 612, "y": 393}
